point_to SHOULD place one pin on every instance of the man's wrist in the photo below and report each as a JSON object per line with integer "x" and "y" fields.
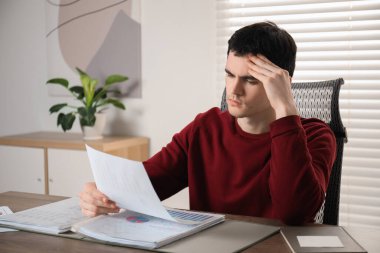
{"x": 285, "y": 111}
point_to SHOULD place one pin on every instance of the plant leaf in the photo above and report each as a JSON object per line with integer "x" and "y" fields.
{"x": 81, "y": 72}
{"x": 100, "y": 94}
{"x": 115, "y": 103}
{"x": 87, "y": 116}
{"x": 57, "y": 107}
{"x": 116, "y": 92}
{"x": 115, "y": 79}
{"x": 60, "y": 118}
{"x": 78, "y": 90}
{"x": 68, "y": 121}
{"x": 60, "y": 81}
{"x": 82, "y": 111}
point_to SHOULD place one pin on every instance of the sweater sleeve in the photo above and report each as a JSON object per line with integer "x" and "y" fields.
{"x": 167, "y": 169}
{"x": 302, "y": 158}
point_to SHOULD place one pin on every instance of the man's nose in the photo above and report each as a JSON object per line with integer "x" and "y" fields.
{"x": 237, "y": 87}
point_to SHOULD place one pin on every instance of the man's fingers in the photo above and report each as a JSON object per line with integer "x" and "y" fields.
{"x": 258, "y": 69}
{"x": 266, "y": 60}
{"x": 88, "y": 213}
{"x": 264, "y": 63}
{"x": 93, "y": 202}
{"x": 93, "y": 210}
{"x": 88, "y": 198}
{"x": 97, "y": 199}
{"x": 91, "y": 194}
{"x": 259, "y": 76}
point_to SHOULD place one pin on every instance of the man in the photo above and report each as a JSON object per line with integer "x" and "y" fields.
{"x": 259, "y": 158}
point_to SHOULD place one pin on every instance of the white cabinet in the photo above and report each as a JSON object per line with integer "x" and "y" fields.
{"x": 57, "y": 163}
{"x": 68, "y": 171}
{"x": 22, "y": 169}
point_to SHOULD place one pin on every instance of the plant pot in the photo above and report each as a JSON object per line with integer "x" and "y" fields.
{"x": 95, "y": 132}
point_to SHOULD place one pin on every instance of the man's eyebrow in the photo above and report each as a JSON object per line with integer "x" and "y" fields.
{"x": 249, "y": 77}
{"x": 246, "y": 77}
{"x": 229, "y": 72}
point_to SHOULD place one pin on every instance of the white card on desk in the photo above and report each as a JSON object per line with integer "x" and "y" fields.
{"x": 319, "y": 241}
{"x": 5, "y": 210}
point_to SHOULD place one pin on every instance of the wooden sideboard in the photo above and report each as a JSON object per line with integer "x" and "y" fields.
{"x": 56, "y": 162}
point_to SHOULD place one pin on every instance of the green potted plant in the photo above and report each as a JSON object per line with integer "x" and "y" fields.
{"x": 92, "y": 102}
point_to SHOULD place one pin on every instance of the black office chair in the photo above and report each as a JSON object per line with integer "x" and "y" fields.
{"x": 321, "y": 100}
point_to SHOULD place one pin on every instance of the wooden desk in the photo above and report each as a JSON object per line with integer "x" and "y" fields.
{"x": 20, "y": 241}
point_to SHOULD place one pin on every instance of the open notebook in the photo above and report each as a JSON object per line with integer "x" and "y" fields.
{"x": 125, "y": 228}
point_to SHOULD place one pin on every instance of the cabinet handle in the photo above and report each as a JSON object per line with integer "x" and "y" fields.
{"x": 50, "y": 180}
{"x": 39, "y": 179}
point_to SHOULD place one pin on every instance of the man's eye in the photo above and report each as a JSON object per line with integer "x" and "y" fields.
{"x": 229, "y": 75}
{"x": 252, "y": 81}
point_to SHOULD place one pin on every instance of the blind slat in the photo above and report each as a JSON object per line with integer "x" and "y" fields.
{"x": 366, "y": 153}
{"x": 340, "y": 45}
{"x": 327, "y": 7}
{"x": 301, "y": 18}
{"x": 365, "y": 133}
{"x": 320, "y": 36}
{"x": 331, "y": 74}
{"x": 360, "y": 94}
{"x": 339, "y": 65}
{"x": 227, "y": 4}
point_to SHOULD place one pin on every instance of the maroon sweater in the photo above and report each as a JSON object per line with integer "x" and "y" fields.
{"x": 282, "y": 174}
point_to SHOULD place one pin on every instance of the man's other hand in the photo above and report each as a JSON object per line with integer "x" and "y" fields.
{"x": 93, "y": 202}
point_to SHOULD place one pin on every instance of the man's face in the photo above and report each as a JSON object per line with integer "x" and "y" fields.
{"x": 246, "y": 95}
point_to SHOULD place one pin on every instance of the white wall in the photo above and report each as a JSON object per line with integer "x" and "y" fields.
{"x": 22, "y": 66}
{"x": 178, "y": 70}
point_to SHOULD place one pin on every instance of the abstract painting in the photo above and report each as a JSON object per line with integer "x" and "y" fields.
{"x": 102, "y": 37}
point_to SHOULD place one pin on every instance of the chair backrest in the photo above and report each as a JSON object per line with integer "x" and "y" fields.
{"x": 321, "y": 100}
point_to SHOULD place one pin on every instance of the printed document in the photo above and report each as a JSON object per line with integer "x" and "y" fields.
{"x": 127, "y": 183}
{"x": 52, "y": 218}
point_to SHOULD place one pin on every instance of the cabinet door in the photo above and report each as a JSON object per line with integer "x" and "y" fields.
{"x": 22, "y": 169}
{"x": 68, "y": 171}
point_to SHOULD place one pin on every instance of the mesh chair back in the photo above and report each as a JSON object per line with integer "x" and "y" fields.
{"x": 321, "y": 100}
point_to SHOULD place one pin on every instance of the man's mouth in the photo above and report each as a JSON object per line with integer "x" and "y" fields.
{"x": 233, "y": 102}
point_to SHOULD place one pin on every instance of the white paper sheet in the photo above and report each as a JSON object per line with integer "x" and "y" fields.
{"x": 320, "y": 241}
{"x": 3, "y": 211}
{"x": 52, "y": 218}
{"x": 127, "y": 183}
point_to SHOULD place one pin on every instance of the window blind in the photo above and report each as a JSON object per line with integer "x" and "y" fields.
{"x": 334, "y": 39}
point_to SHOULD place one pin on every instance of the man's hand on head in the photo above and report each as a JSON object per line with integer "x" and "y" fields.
{"x": 277, "y": 84}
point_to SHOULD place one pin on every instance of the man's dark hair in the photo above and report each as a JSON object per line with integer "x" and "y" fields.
{"x": 268, "y": 39}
